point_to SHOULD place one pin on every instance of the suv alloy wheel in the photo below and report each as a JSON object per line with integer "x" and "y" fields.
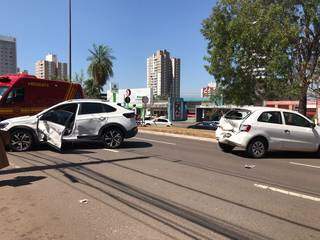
{"x": 21, "y": 140}
{"x": 112, "y": 137}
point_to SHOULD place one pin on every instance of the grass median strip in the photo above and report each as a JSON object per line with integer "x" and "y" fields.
{"x": 182, "y": 131}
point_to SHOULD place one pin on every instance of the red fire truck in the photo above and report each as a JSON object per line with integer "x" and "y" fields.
{"x": 22, "y": 94}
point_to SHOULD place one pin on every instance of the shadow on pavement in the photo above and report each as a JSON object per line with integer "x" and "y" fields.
{"x": 21, "y": 181}
{"x": 192, "y": 215}
{"x": 280, "y": 155}
{"x": 63, "y": 165}
{"x": 84, "y": 148}
{"x": 135, "y": 144}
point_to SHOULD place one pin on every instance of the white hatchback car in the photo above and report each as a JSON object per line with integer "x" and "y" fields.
{"x": 262, "y": 129}
{"x": 158, "y": 122}
{"x": 72, "y": 121}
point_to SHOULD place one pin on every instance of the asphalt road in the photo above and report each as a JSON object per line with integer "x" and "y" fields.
{"x": 157, "y": 187}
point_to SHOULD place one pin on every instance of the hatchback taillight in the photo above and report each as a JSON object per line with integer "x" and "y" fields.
{"x": 245, "y": 128}
{"x": 129, "y": 115}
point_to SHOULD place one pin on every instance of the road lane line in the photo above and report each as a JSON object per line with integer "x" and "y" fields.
{"x": 265, "y": 187}
{"x": 110, "y": 150}
{"x": 15, "y": 166}
{"x": 151, "y": 140}
{"x": 305, "y": 165}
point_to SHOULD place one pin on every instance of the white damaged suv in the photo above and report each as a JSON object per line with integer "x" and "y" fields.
{"x": 262, "y": 129}
{"x": 72, "y": 121}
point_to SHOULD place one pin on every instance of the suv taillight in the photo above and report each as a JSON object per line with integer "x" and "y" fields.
{"x": 129, "y": 115}
{"x": 245, "y": 128}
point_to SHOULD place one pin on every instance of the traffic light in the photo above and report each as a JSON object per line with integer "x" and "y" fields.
{"x": 127, "y": 100}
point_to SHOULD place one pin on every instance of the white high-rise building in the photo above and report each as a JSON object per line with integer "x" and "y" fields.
{"x": 163, "y": 75}
{"x": 51, "y": 68}
{"x": 8, "y": 55}
{"x": 52, "y": 58}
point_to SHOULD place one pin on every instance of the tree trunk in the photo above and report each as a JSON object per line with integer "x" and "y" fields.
{"x": 303, "y": 99}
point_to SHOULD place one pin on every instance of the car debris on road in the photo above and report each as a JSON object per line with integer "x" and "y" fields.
{"x": 84, "y": 201}
{"x": 249, "y": 166}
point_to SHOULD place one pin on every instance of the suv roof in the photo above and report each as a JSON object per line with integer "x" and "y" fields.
{"x": 91, "y": 101}
{"x": 86, "y": 100}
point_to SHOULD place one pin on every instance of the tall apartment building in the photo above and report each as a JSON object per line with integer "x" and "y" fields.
{"x": 175, "y": 77}
{"x": 163, "y": 74}
{"x": 51, "y": 68}
{"x": 62, "y": 71}
{"x": 8, "y": 55}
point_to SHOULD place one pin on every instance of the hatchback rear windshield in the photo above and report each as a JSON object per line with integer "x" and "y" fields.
{"x": 237, "y": 114}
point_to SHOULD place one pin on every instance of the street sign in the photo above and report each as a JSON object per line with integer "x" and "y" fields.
{"x": 128, "y": 92}
{"x": 114, "y": 87}
{"x": 145, "y": 99}
{"x": 127, "y": 100}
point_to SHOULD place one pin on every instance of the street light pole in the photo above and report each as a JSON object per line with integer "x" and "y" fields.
{"x": 70, "y": 57}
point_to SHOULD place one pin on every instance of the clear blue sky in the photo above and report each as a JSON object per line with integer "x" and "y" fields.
{"x": 134, "y": 29}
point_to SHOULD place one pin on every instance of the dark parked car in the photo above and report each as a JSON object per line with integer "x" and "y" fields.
{"x": 208, "y": 125}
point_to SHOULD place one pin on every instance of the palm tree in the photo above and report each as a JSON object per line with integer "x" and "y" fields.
{"x": 90, "y": 89}
{"x": 100, "y": 68}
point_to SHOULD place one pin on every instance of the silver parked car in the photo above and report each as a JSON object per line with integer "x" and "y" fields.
{"x": 262, "y": 129}
{"x": 72, "y": 121}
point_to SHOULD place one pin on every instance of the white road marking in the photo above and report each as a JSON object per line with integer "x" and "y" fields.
{"x": 151, "y": 140}
{"x": 111, "y": 150}
{"x": 15, "y": 166}
{"x": 305, "y": 165}
{"x": 287, "y": 192}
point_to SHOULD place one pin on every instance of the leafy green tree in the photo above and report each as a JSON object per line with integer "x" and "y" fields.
{"x": 101, "y": 66}
{"x": 306, "y": 16}
{"x": 263, "y": 49}
{"x": 216, "y": 97}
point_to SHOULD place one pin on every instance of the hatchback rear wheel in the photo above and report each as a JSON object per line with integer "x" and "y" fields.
{"x": 257, "y": 148}
{"x": 112, "y": 138}
{"x": 21, "y": 140}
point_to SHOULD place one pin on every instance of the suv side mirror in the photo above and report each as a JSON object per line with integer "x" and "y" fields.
{"x": 313, "y": 125}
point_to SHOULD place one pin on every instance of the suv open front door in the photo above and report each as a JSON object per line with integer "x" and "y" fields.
{"x": 55, "y": 123}
{"x": 52, "y": 125}
{"x": 51, "y": 133}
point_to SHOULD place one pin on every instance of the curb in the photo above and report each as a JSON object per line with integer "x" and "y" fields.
{"x": 179, "y": 136}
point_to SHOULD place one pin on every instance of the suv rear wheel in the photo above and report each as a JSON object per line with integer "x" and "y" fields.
{"x": 226, "y": 147}
{"x": 21, "y": 140}
{"x": 257, "y": 148}
{"x": 112, "y": 137}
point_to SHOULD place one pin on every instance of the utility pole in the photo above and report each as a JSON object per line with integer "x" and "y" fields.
{"x": 70, "y": 57}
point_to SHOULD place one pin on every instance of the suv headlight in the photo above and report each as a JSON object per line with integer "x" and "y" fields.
{"x": 3, "y": 125}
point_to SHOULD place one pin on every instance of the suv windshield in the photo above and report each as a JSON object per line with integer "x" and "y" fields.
{"x": 3, "y": 89}
{"x": 237, "y": 114}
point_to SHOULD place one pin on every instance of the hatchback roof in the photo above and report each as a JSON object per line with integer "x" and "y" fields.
{"x": 259, "y": 108}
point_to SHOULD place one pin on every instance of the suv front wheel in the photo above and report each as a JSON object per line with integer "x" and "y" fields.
{"x": 21, "y": 140}
{"x": 112, "y": 137}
